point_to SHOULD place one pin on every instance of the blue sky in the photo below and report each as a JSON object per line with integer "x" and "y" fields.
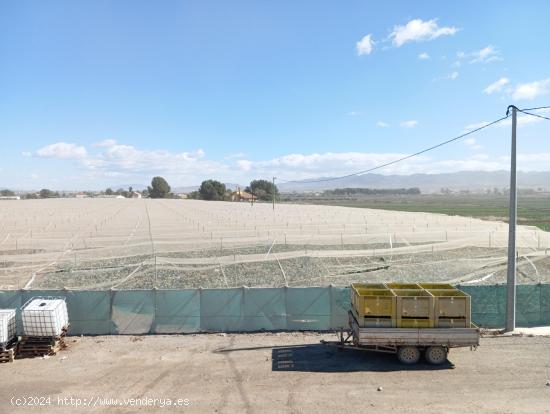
{"x": 98, "y": 93}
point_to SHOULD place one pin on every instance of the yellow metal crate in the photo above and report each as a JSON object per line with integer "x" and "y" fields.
{"x": 412, "y": 304}
{"x": 372, "y": 302}
{"x": 415, "y": 323}
{"x": 378, "y": 323}
{"x": 453, "y": 304}
{"x": 452, "y": 323}
{"x": 374, "y": 321}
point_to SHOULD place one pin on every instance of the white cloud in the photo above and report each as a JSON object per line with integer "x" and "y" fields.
{"x": 188, "y": 168}
{"x": 472, "y": 143}
{"x": 26, "y": 154}
{"x": 531, "y": 90}
{"x": 365, "y": 46}
{"x": 450, "y": 76}
{"x": 127, "y": 157}
{"x": 299, "y": 166}
{"x": 496, "y": 86}
{"x": 409, "y": 124}
{"x": 382, "y": 124}
{"x": 486, "y": 55}
{"x": 111, "y": 159}
{"x": 423, "y": 56}
{"x": 105, "y": 143}
{"x": 418, "y": 30}
{"x": 62, "y": 151}
{"x": 542, "y": 157}
{"x": 304, "y": 166}
{"x": 353, "y": 113}
{"x": 244, "y": 165}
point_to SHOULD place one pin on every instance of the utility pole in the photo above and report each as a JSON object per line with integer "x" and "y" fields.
{"x": 273, "y": 193}
{"x": 511, "y": 275}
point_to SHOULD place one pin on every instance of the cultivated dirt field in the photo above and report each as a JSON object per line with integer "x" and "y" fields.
{"x": 126, "y": 244}
{"x": 278, "y": 373}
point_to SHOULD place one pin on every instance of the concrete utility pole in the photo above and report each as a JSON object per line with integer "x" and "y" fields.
{"x": 273, "y": 193}
{"x": 511, "y": 275}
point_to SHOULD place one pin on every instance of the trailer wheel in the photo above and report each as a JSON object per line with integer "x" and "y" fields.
{"x": 408, "y": 355}
{"x": 436, "y": 355}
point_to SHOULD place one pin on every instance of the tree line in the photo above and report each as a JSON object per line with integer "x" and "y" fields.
{"x": 263, "y": 190}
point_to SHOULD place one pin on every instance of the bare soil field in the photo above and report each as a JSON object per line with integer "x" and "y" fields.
{"x": 274, "y": 373}
{"x": 126, "y": 244}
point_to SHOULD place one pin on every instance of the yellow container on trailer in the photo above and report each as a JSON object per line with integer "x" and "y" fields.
{"x": 451, "y": 307}
{"x": 415, "y": 308}
{"x": 373, "y": 305}
{"x": 410, "y": 305}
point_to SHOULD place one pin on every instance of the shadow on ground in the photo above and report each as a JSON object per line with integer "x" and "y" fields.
{"x": 321, "y": 358}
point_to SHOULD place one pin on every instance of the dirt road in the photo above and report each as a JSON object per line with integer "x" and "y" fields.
{"x": 274, "y": 373}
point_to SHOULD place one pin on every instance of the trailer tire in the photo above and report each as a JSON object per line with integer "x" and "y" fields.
{"x": 436, "y": 355}
{"x": 408, "y": 355}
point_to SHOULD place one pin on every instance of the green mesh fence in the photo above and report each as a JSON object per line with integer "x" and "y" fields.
{"x": 252, "y": 309}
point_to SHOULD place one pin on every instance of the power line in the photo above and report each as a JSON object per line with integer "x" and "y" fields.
{"x": 534, "y": 109}
{"x": 399, "y": 159}
{"x": 537, "y": 115}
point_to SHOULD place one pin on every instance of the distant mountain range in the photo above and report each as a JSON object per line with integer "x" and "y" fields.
{"x": 427, "y": 183}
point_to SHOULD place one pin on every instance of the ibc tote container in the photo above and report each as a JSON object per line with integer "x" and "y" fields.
{"x": 44, "y": 317}
{"x": 7, "y": 326}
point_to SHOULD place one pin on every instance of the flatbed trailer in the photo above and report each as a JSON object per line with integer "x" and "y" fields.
{"x": 407, "y": 343}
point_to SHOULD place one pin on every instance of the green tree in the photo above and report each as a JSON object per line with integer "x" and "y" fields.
{"x": 263, "y": 190}
{"x": 212, "y": 190}
{"x": 194, "y": 195}
{"x": 109, "y": 191}
{"x": 159, "y": 188}
{"x": 45, "y": 193}
{"x": 6, "y": 193}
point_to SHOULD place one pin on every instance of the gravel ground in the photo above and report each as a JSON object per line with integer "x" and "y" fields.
{"x": 279, "y": 372}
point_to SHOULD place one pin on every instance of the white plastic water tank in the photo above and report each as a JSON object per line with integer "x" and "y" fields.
{"x": 44, "y": 317}
{"x": 7, "y": 325}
